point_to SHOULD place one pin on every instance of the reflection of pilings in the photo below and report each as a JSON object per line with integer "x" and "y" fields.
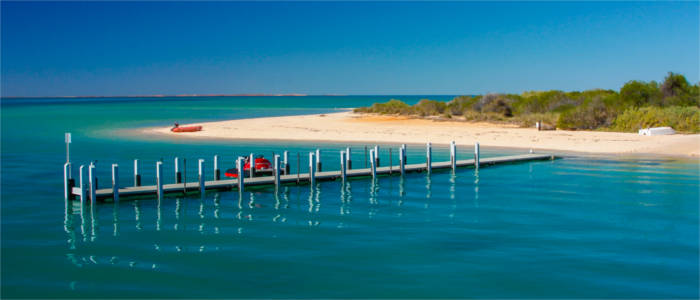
{"x": 476, "y": 188}
{"x": 69, "y": 224}
{"x": 159, "y": 214}
{"x": 83, "y": 222}
{"x": 94, "y": 219}
{"x": 217, "y": 209}
{"x": 200, "y": 213}
{"x": 373, "y": 189}
{"x": 453, "y": 188}
{"x": 345, "y": 198}
{"x": 115, "y": 219}
{"x": 178, "y": 209}
{"x": 428, "y": 189}
{"x": 137, "y": 215}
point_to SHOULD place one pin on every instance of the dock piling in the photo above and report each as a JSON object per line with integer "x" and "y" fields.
{"x": 348, "y": 158}
{"x": 429, "y": 157}
{"x": 277, "y": 171}
{"x": 286, "y": 162}
{"x": 137, "y": 175}
{"x": 178, "y": 175}
{"x": 241, "y": 173}
{"x": 373, "y": 163}
{"x": 217, "y": 173}
{"x": 82, "y": 186}
{"x": 312, "y": 175}
{"x": 376, "y": 156}
{"x": 318, "y": 160}
{"x": 252, "y": 165}
{"x": 402, "y": 160}
{"x": 159, "y": 179}
{"x": 201, "y": 176}
{"x": 67, "y": 188}
{"x": 476, "y": 155}
{"x": 115, "y": 183}
{"x": 343, "y": 165}
{"x": 405, "y": 160}
{"x": 93, "y": 184}
{"x": 453, "y": 155}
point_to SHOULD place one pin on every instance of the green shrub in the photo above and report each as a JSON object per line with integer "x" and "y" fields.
{"x": 426, "y": 107}
{"x": 682, "y": 119}
{"x": 590, "y": 115}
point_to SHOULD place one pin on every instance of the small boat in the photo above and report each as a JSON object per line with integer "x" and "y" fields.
{"x": 186, "y": 129}
{"x": 262, "y": 166}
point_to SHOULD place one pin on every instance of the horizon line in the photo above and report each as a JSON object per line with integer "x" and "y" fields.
{"x": 215, "y": 95}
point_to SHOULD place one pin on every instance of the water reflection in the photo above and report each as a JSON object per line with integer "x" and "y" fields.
{"x": 260, "y": 207}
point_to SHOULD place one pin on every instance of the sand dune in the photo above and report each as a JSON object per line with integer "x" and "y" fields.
{"x": 350, "y": 127}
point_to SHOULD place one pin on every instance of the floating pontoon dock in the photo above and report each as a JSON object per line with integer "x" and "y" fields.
{"x": 87, "y": 189}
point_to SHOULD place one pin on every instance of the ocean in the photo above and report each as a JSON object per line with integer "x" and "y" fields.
{"x": 576, "y": 227}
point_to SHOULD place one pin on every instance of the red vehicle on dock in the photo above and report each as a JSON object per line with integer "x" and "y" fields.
{"x": 262, "y": 166}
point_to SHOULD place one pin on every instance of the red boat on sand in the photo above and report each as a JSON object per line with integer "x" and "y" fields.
{"x": 186, "y": 129}
{"x": 262, "y": 166}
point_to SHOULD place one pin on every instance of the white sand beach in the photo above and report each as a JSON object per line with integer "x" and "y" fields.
{"x": 351, "y": 127}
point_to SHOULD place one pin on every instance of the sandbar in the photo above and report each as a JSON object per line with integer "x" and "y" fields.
{"x": 371, "y": 128}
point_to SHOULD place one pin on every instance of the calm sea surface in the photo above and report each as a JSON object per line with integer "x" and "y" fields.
{"x": 576, "y": 227}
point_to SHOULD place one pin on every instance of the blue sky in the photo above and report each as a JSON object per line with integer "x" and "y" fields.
{"x": 131, "y": 48}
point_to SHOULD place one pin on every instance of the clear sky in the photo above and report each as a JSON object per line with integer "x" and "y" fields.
{"x": 131, "y": 48}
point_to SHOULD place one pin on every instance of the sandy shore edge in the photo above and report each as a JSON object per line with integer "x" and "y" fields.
{"x": 369, "y": 128}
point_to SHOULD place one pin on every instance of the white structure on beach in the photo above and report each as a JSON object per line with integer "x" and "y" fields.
{"x": 657, "y": 131}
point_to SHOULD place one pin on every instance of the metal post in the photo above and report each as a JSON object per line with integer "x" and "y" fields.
{"x": 201, "y": 176}
{"x": 348, "y": 158}
{"x": 82, "y": 187}
{"x": 312, "y": 175}
{"x": 429, "y": 157}
{"x": 373, "y": 163}
{"x": 93, "y": 184}
{"x": 217, "y": 173}
{"x": 252, "y": 165}
{"x": 343, "y": 165}
{"x": 68, "y": 141}
{"x": 376, "y": 155}
{"x": 405, "y": 158}
{"x": 241, "y": 173}
{"x": 402, "y": 160}
{"x": 318, "y": 160}
{"x": 137, "y": 175}
{"x": 159, "y": 179}
{"x": 476, "y": 155}
{"x": 286, "y": 162}
{"x": 453, "y": 155}
{"x": 277, "y": 171}
{"x": 178, "y": 175}
{"x": 115, "y": 183}
{"x": 67, "y": 189}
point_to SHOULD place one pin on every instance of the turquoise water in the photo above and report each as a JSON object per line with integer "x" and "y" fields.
{"x": 580, "y": 226}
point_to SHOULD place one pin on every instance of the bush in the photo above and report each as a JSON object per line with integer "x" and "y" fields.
{"x": 459, "y": 104}
{"x": 494, "y": 103}
{"x": 590, "y": 115}
{"x": 682, "y": 119}
{"x": 427, "y": 107}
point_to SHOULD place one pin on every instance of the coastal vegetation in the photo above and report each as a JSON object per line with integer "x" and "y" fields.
{"x": 673, "y": 102}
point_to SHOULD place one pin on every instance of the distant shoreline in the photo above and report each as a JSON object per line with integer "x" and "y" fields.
{"x": 166, "y": 96}
{"x": 201, "y": 95}
{"x": 370, "y": 128}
